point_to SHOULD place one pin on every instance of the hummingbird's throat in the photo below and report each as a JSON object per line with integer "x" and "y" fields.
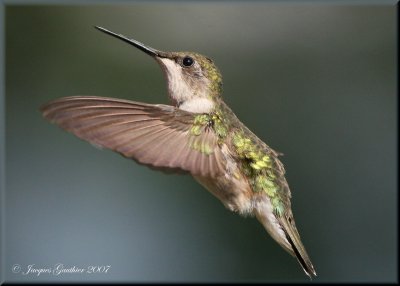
{"x": 188, "y": 92}
{"x": 198, "y": 105}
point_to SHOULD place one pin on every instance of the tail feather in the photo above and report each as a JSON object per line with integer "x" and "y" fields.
{"x": 297, "y": 246}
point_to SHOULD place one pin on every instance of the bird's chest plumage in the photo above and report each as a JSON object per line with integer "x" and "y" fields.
{"x": 250, "y": 166}
{"x": 232, "y": 187}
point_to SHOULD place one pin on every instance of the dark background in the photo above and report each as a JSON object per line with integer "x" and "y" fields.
{"x": 316, "y": 82}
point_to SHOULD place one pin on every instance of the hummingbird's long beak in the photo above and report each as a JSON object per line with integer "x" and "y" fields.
{"x": 148, "y": 50}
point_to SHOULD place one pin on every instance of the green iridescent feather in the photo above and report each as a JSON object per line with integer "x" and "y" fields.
{"x": 259, "y": 167}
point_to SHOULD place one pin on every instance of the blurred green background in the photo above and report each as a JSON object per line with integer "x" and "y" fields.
{"x": 316, "y": 82}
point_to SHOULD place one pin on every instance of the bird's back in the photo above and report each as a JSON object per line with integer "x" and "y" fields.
{"x": 270, "y": 193}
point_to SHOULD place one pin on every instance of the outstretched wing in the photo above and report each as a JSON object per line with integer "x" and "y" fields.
{"x": 154, "y": 135}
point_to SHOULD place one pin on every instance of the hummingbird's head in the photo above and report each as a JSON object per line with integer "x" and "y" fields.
{"x": 190, "y": 76}
{"x": 194, "y": 82}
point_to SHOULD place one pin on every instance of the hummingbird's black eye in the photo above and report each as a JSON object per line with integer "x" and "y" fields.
{"x": 187, "y": 61}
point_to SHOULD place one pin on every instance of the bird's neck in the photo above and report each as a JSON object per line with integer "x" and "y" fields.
{"x": 198, "y": 105}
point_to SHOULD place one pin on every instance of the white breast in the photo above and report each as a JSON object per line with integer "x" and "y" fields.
{"x": 198, "y": 105}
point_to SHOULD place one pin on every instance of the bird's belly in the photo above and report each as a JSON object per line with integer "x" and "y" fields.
{"x": 234, "y": 192}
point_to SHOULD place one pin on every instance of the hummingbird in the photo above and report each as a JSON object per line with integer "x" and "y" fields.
{"x": 198, "y": 134}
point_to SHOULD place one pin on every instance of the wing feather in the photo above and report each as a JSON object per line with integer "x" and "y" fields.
{"x": 155, "y": 135}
